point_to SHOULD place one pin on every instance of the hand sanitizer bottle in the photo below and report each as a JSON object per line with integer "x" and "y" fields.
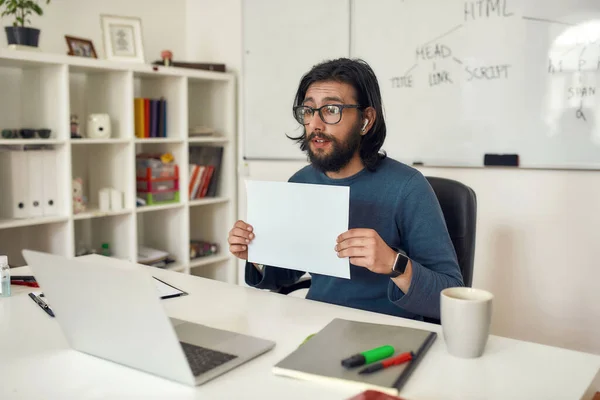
{"x": 4, "y": 277}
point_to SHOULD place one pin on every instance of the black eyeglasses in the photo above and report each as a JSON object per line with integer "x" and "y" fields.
{"x": 329, "y": 113}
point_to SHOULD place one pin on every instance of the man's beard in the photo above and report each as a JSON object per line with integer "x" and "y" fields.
{"x": 341, "y": 152}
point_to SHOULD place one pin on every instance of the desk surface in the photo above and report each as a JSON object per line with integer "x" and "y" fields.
{"x": 36, "y": 362}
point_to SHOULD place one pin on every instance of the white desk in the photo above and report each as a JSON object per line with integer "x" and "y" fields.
{"x": 36, "y": 362}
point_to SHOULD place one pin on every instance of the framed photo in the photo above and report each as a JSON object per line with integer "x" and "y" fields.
{"x": 122, "y": 38}
{"x": 80, "y": 47}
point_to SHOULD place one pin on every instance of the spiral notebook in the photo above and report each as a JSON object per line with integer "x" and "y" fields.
{"x": 319, "y": 358}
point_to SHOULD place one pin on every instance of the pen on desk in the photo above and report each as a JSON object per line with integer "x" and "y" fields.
{"x": 399, "y": 359}
{"x": 368, "y": 356}
{"x": 42, "y": 304}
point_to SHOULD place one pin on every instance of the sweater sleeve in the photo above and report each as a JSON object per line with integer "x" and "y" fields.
{"x": 271, "y": 278}
{"x": 426, "y": 240}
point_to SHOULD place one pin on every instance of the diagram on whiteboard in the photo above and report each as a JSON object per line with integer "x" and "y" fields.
{"x": 440, "y": 63}
{"x": 433, "y": 54}
{"x": 462, "y": 79}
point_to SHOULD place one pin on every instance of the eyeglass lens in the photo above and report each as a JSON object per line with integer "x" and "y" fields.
{"x": 330, "y": 114}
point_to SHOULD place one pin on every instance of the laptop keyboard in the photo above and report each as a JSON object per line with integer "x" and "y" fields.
{"x": 202, "y": 360}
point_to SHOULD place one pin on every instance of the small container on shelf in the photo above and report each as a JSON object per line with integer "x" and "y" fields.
{"x": 154, "y": 169}
{"x": 157, "y": 198}
{"x": 157, "y": 180}
{"x": 156, "y": 185}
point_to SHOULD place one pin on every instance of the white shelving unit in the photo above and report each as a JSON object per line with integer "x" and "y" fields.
{"x": 40, "y": 90}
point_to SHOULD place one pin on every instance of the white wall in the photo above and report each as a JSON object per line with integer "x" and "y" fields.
{"x": 163, "y": 24}
{"x": 214, "y": 31}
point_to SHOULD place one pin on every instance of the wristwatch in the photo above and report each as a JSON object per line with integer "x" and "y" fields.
{"x": 399, "y": 265}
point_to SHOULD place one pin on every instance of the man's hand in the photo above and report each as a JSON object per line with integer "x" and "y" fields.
{"x": 366, "y": 248}
{"x": 239, "y": 238}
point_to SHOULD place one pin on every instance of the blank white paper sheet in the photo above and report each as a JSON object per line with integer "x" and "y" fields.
{"x": 296, "y": 226}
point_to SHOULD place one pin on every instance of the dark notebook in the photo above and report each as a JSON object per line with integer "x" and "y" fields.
{"x": 319, "y": 358}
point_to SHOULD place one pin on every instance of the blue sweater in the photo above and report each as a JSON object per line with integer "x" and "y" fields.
{"x": 396, "y": 201}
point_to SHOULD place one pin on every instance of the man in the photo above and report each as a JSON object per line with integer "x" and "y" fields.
{"x": 400, "y": 253}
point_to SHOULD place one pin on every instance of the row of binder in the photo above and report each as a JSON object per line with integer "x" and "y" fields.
{"x": 29, "y": 183}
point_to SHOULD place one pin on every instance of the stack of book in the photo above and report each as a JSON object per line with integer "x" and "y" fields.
{"x": 204, "y": 168}
{"x": 150, "y": 117}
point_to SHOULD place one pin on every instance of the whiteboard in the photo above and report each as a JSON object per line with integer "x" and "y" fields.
{"x": 460, "y": 79}
{"x": 282, "y": 40}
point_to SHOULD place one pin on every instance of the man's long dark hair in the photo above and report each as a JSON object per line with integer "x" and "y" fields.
{"x": 359, "y": 75}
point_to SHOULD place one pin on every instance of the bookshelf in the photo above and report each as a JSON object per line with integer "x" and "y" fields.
{"x": 43, "y": 91}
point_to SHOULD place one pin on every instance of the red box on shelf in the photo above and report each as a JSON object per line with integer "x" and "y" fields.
{"x": 164, "y": 178}
{"x": 162, "y": 171}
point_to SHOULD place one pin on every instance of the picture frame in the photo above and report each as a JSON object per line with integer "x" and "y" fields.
{"x": 122, "y": 37}
{"x": 80, "y": 47}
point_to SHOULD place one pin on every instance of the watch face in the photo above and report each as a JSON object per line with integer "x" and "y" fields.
{"x": 400, "y": 264}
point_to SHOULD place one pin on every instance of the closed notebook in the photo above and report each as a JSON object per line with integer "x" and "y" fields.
{"x": 319, "y": 358}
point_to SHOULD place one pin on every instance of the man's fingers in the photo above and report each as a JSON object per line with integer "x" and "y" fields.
{"x": 354, "y": 242}
{"x": 243, "y": 233}
{"x": 244, "y": 226}
{"x": 239, "y": 232}
{"x": 357, "y": 232}
{"x": 237, "y": 248}
{"x": 238, "y": 240}
{"x": 353, "y": 252}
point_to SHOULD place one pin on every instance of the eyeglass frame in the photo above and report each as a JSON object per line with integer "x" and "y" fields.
{"x": 341, "y": 106}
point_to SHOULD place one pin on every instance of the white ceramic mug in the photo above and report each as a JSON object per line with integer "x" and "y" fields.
{"x": 466, "y": 314}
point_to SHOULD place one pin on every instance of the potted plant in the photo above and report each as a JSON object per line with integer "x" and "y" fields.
{"x": 20, "y": 10}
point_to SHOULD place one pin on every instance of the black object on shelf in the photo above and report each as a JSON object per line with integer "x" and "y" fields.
{"x": 203, "y": 66}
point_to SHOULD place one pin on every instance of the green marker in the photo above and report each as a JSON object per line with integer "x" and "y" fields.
{"x": 369, "y": 356}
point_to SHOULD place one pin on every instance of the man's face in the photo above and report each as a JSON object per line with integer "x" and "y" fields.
{"x": 331, "y": 146}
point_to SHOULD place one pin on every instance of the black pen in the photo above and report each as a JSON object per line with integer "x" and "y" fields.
{"x": 42, "y": 304}
{"x": 26, "y": 278}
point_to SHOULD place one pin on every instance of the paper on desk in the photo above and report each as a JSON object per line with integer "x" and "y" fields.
{"x": 165, "y": 290}
{"x": 296, "y": 226}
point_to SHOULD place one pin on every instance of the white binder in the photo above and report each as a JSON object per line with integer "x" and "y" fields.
{"x": 17, "y": 177}
{"x": 35, "y": 164}
{"x": 49, "y": 189}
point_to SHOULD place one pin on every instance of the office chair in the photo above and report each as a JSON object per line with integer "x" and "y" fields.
{"x": 459, "y": 206}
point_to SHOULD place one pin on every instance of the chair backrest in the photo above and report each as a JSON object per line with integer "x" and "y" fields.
{"x": 459, "y": 205}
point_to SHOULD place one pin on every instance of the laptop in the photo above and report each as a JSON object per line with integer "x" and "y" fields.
{"x": 111, "y": 309}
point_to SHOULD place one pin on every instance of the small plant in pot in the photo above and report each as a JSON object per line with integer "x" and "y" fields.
{"x": 20, "y": 10}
